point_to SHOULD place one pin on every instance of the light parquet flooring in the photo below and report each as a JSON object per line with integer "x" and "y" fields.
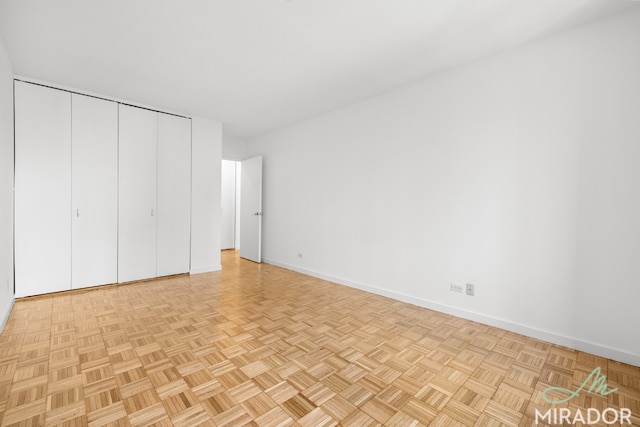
{"x": 260, "y": 345}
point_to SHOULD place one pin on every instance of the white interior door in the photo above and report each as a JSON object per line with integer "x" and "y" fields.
{"x": 42, "y": 189}
{"x": 137, "y": 169}
{"x": 228, "y": 202}
{"x": 94, "y": 147}
{"x": 251, "y": 209}
{"x": 174, "y": 195}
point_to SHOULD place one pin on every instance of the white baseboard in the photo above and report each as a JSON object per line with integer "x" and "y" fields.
{"x": 206, "y": 269}
{"x": 578, "y": 344}
{"x": 5, "y": 316}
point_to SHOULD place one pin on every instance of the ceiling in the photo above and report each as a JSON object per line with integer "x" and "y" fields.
{"x": 258, "y": 65}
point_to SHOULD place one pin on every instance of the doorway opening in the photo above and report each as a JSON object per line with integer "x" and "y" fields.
{"x": 241, "y": 201}
{"x": 230, "y": 201}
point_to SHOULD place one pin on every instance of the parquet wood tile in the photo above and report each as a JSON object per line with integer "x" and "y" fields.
{"x": 276, "y": 417}
{"x": 258, "y": 345}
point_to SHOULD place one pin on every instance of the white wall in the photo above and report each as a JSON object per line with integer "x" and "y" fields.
{"x": 6, "y": 185}
{"x": 518, "y": 174}
{"x": 233, "y": 148}
{"x": 206, "y": 149}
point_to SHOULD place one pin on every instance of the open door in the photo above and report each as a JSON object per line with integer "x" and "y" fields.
{"x": 251, "y": 209}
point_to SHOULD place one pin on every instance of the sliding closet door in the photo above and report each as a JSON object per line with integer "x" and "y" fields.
{"x": 94, "y": 148}
{"x": 42, "y": 189}
{"x": 174, "y": 194}
{"x": 138, "y": 136}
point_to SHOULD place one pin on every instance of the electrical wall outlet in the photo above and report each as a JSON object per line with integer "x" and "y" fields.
{"x": 471, "y": 289}
{"x": 456, "y": 288}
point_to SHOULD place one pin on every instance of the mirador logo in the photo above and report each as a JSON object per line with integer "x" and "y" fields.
{"x": 594, "y": 383}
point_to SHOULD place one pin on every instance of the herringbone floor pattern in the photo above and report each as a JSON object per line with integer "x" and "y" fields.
{"x": 259, "y": 345}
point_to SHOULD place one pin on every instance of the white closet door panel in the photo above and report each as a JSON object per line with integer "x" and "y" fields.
{"x": 94, "y": 136}
{"x": 174, "y": 194}
{"x": 42, "y": 189}
{"x": 138, "y": 130}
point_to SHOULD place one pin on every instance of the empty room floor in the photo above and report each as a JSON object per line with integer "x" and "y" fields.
{"x": 259, "y": 345}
